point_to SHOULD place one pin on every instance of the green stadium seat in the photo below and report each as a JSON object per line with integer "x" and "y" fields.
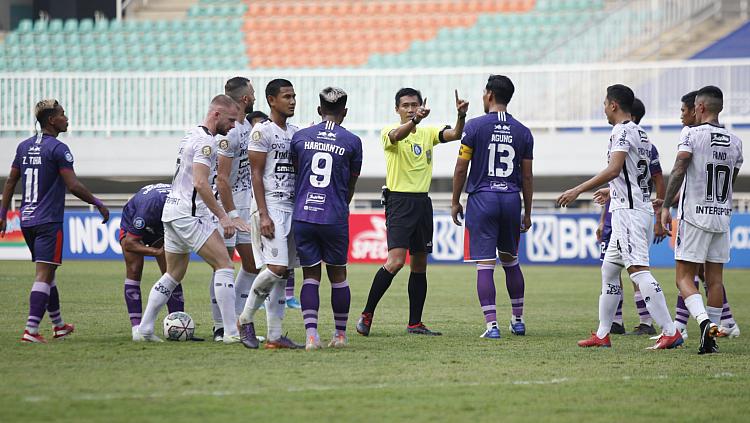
{"x": 86, "y": 25}
{"x": 71, "y": 25}
{"x": 101, "y": 25}
{"x": 55, "y": 25}
{"x": 40, "y": 25}
{"x": 25, "y": 25}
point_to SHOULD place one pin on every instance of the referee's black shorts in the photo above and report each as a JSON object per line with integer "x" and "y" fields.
{"x": 408, "y": 219}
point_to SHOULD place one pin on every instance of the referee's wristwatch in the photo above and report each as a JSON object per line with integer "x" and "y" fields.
{"x": 414, "y": 121}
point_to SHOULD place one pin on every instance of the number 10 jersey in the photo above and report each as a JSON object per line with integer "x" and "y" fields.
{"x": 630, "y": 189}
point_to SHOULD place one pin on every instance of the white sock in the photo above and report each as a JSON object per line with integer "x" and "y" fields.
{"x": 655, "y": 301}
{"x": 262, "y": 286}
{"x": 714, "y": 313}
{"x": 215, "y": 311}
{"x": 224, "y": 288}
{"x": 694, "y": 304}
{"x": 157, "y": 298}
{"x": 609, "y": 298}
{"x": 275, "y": 309}
{"x": 242, "y": 285}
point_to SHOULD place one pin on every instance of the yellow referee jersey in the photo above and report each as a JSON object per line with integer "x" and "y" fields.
{"x": 409, "y": 161}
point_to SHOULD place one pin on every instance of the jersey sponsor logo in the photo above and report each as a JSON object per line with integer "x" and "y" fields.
{"x": 720, "y": 140}
{"x": 35, "y": 149}
{"x": 498, "y": 185}
{"x": 315, "y": 198}
{"x": 417, "y": 149}
{"x": 284, "y": 168}
{"x": 502, "y": 127}
{"x": 643, "y": 135}
{"x": 326, "y": 135}
{"x": 206, "y": 150}
{"x": 139, "y": 223}
{"x": 68, "y": 157}
{"x": 224, "y": 144}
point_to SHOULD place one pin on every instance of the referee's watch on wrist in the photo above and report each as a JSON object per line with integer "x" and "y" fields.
{"x": 414, "y": 121}
{"x": 462, "y": 115}
{"x": 233, "y": 214}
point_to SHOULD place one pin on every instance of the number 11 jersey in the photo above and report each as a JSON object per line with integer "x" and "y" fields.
{"x": 325, "y": 155}
{"x": 630, "y": 189}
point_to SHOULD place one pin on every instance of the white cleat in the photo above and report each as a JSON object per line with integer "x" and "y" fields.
{"x": 313, "y": 343}
{"x": 144, "y": 337}
{"x": 729, "y": 331}
{"x": 338, "y": 341}
{"x": 134, "y": 330}
{"x": 231, "y": 339}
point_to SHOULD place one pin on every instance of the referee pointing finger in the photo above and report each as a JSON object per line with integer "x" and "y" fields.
{"x": 408, "y": 208}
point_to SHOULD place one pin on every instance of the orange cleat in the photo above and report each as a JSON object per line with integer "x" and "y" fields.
{"x": 32, "y": 338}
{"x": 668, "y": 342}
{"x": 63, "y": 331}
{"x": 594, "y": 341}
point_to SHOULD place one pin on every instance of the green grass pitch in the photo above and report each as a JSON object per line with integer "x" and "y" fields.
{"x": 99, "y": 375}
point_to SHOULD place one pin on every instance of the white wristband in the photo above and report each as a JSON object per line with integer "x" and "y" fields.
{"x": 233, "y": 214}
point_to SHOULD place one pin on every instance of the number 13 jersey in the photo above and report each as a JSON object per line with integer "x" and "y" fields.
{"x": 706, "y": 193}
{"x": 630, "y": 189}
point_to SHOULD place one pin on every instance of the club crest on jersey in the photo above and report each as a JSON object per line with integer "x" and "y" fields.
{"x": 206, "y": 150}
{"x": 256, "y": 136}
{"x": 139, "y": 223}
{"x": 68, "y": 156}
{"x": 224, "y": 144}
{"x": 417, "y": 149}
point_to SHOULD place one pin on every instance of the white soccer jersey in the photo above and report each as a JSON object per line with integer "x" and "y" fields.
{"x": 278, "y": 176}
{"x": 630, "y": 189}
{"x": 234, "y": 146}
{"x": 198, "y": 146}
{"x": 706, "y": 193}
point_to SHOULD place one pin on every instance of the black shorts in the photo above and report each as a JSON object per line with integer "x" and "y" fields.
{"x": 408, "y": 220}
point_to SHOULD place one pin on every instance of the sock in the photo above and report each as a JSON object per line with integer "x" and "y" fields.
{"x": 53, "y": 306}
{"x": 618, "y": 313}
{"x": 380, "y": 284}
{"x": 486, "y": 291}
{"x": 681, "y": 314}
{"x": 309, "y": 297}
{"x": 242, "y": 285}
{"x": 694, "y": 304}
{"x": 417, "y": 296}
{"x": 157, "y": 298}
{"x": 176, "y": 302}
{"x": 727, "y": 319}
{"x": 655, "y": 302}
{"x": 215, "y": 310}
{"x": 132, "y": 295}
{"x": 259, "y": 291}
{"x": 640, "y": 306}
{"x": 515, "y": 284}
{"x": 714, "y": 314}
{"x": 609, "y": 297}
{"x": 341, "y": 298}
{"x": 224, "y": 289}
{"x": 275, "y": 309}
{"x": 289, "y": 288}
{"x": 38, "y": 300}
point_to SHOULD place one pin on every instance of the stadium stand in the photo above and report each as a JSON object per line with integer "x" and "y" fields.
{"x": 736, "y": 44}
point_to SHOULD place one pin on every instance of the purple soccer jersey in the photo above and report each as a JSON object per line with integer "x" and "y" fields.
{"x": 497, "y": 143}
{"x": 40, "y": 159}
{"x": 325, "y": 155}
{"x": 141, "y": 215}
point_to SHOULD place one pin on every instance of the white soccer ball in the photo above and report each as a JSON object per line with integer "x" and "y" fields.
{"x": 179, "y": 326}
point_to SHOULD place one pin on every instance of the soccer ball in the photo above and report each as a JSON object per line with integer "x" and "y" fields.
{"x": 179, "y": 326}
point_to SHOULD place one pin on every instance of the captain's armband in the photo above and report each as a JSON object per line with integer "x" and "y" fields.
{"x": 465, "y": 152}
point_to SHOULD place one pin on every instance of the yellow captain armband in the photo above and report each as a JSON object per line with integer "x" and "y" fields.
{"x": 465, "y": 152}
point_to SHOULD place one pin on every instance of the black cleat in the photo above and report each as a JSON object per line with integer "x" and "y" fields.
{"x": 617, "y": 329}
{"x": 709, "y": 331}
{"x": 421, "y": 329}
{"x": 247, "y": 336}
{"x": 196, "y": 339}
{"x": 364, "y": 323}
{"x": 218, "y": 334}
{"x": 643, "y": 329}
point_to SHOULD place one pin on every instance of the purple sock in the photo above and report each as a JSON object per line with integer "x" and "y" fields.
{"x": 37, "y": 305}
{"x": 289, "y": 289}
{"x": 176, "y": 302}
{"x": 516, "y": 285}
{"x": 618, "y": 313}
{"x": 486, "y": 291}
{"x": 726, "y": 313}
{"x": 133, "y": 301}
{"x": 640, "y": 305}
{"x": 310, "y": 301}
{"x": 681, "y": 314}
{"x": 341, "y": 298}
{"x": 53, "y": 306}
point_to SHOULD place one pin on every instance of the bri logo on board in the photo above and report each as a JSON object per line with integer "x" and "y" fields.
{"x": 553, "y": 238}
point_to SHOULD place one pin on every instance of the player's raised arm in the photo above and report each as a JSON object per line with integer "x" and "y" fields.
{"x": 10, "y": 186}
{"x": 453, "y": 134}
{"x": 412, "y": 110}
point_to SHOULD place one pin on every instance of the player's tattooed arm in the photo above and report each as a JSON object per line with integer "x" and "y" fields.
{"x": 203, "y": 188}
{"x": 676, "y": 177}
{"x": 10, "y": 186}
{"x": 459, "y": 179}
{"x": 224, "y": 167}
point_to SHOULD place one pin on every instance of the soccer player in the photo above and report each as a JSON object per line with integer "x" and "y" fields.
{"x": 708, "y": 160}
{"x": 408, "y": 208}
{"x": 499, "y": 149}
{"x": 188, "y": 216}
{"x": 328, "y": 159}
{"x": 604, "y": 232}
{"x": 255, "y": 117}
{"x": 141, "y": 235}
{"x": 272, "y": 174}
{"x": 45, "y": 166}
{"x": 628, "y": 176}
{"x": 235, "y": 193}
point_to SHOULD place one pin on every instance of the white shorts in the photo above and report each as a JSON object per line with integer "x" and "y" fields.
{"x": 632, "y": 232}
{"x": 239, "y": 237}
{"x": 696, "y": 245}
{"x": 280, "y": 250}
{"x": 186, "y": 234}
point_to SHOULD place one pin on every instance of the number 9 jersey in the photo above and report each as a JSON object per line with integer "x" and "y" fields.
{"x": 630, "y": 189}
{"x": 325, "y": 155}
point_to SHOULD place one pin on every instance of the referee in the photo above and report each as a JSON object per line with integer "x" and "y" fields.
{"x": 408, "y": 209}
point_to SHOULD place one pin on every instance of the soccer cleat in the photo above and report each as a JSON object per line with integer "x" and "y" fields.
{"x": 644, "y": 329}
{"x": 617, "y": 329}
{"x": 492, "y": 331}
{"x": 293, "y": 303}
{"x": 364, "y": 323}
{"x": 196, "y": 339}
{"x": 593, "y": 341}
{"x": 517, "y": 328}
{"x": 231, "y": 339}
{"x": 313, "y": 343}
{"x": 32, "y": 338}
{"x": 729, "y": 331}
{"x": 338, "y": 341}
{"x": 666, "y": 342}
{"x": 683, "y": 333}
{"x": 134, "y": 332}
{"x": 61, "y": 332}
{"x": 145, "y": 337}
{"x": 283, "y": 343}
{"x": 218, "y": 334}
{"x": 247, "y": 335}
{"x": 709, "y": 331}
{"x": 421, "y": 329}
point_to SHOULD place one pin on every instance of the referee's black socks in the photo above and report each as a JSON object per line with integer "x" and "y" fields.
{"x": 417, "y": 296}
{"x": 380, "y": 284}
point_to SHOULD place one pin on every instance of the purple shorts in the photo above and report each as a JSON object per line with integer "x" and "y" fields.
{"x": 321, "y": 243}
{"x": 45, "y": 242}
{"x": 493, "y": 223}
